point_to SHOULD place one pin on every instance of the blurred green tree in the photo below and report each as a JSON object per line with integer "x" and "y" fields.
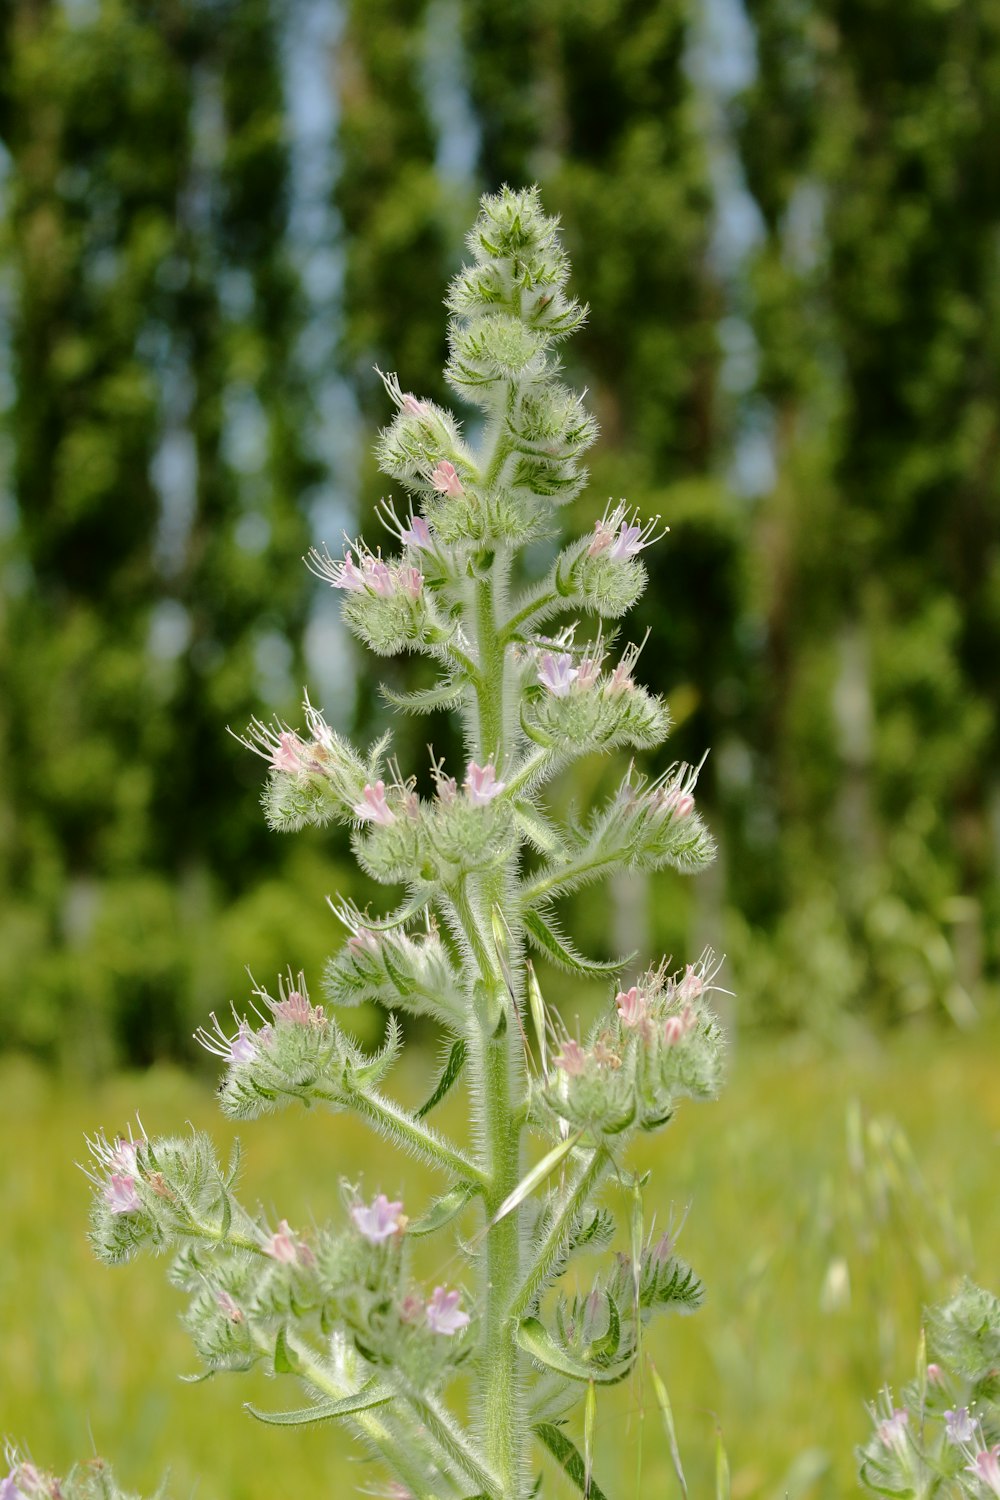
{"x": 157, "y": 459}
{"x": 868, "y": 143}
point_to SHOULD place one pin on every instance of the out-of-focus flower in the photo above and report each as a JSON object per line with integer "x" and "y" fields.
{"x": 892, "y": 1430}
{"x": 379, "y": 1220}
{"x": 120, "y": 1194}
{"x": 444, "y": 1315}
{"x": 959, "y": 1426}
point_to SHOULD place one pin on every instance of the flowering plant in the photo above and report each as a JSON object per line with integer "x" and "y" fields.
{"x": 944, "y": 1438}
{"x": 483, "y": 862}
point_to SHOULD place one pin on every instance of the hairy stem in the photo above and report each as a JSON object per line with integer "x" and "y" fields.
{"x": 397, "y": 1124}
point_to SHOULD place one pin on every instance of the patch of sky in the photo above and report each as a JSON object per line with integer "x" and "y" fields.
{"x": 169, "y": 630}
{"x": 445, "y": 84}
{"x": 273, "y": 657}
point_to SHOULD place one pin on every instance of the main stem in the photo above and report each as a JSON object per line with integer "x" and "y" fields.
{"x": 500, "y": 1387}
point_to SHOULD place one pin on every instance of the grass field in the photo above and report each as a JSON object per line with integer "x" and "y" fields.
{"x": 793, "y": 1176}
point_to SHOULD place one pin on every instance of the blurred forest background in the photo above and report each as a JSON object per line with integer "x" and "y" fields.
{"x": 219, "y": 215}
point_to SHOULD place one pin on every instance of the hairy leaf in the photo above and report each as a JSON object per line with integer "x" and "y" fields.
{"x": 450, "y": 1074}
{"x": 370, "y": 1395}
{"x": 539, "y": 1343}
{"x": 561, "y": 951}
{"x": 566, "y": 1453}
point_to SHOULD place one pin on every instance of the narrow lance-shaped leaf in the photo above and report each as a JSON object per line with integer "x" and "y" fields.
{"x": 561, "y": 951}
{"x": 450, "y": 1074}
{"x": 443, "y": 1211}
{"x": 426, "y": 700}
{"x": 363, "y": 1400}
{"x": 589, "y": 1419}
{"x": 565, "y": 1452}
{"x": 536, "y": 1340}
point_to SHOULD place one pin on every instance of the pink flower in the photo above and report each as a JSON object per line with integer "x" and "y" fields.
{"x": 632, "y": 1008}
{"x": 676, "y": 1028}
{"x": 342, "y": 575}
{"x": 444, "y": 1314}
{"x": 893, "y": 1430}
{"x": 935, "y": 1374}
{"x": 412, "y": 406}
{"x": 986, "y": 1467}
{"x": 232, "y": 1311}
{"x": 447, "y": 789}
{"x": 481, "y": 784}
{"x": 678, "y": 803}
{"x": 692, "y": 985}
{"x": 373, "y": 807}
{"x": 418, "y": 534}
{"x": 288, "y": 753}
{"x": 572, "y": 1059}
{"x": 295, "y": 1008}
{"x": 10, "y": 1491}
{"x": 446, "y": 481}
{"x": 379, "y": 1220}
{"x": 410, "y": 581}
{"x": 283, "y": 1246}
{"x": 363, "y": 941}
{"x": 120, "y": 1194}
{"x": 621, "y": 537}
{"x": 557, "y": 673}
{"x": 589, "y": 669}
{"x": 379, "y": 578}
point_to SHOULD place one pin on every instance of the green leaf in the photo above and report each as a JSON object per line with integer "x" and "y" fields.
{"x": 538, "y": 830}
{"x": 722, "y": 1490}
{"x": 416, "y": 903}
{"x": 443, "y": 695}
{"x": 450, "y": 1074}
{"x": 370, "y": 1395}
{"x": 539, "y": 1343}
{"x": 444, "y": 1210}
{"x": 566, "y": 1454}
{"x": 562, "y": 952}
{"x": 286, "y": 1361}
{"x": 604, "y": 1349}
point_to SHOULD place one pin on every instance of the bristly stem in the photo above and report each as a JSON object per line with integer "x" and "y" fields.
{"x": 499, "y": 1084}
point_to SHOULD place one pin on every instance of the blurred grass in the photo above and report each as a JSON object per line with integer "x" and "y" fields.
{"x": 90, "y": 1357}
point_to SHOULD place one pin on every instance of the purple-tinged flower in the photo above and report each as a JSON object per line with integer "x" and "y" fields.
{"x": 380, "y": 1220}
{"x": 632, "y": 1008}
{"x": 447, "y": 789}
{"x": 9, "y": 1489}
{"x": 446, "y": 481}
{"x": 557, "y": 672}
{"x": 892, "y": 1431}
{"x": 227, "y": 1305}
{"x": 339, "y": 575}
{"x": 296, "y": 1008}
{"x": 589, "y": 669}
{"x": 373, "y": 807}
{"x": 572, "y": 1059}
{"x": 481, "y": 784}
{"x": 959, "y": 1426}
{"x": 120, "y": 1194}
{"x": 284, "y": 1247}
{"x": 378, "y": 577}
{"x": 241, "y": 1048}
{"x": 410, "y": 581}
{"x": 363, "y": 941}
{"x": 412, "y": 406}
{"x": 444, "y": 1314}
{"x": 417, "y": 534}
{"x": 986, "y": 1467}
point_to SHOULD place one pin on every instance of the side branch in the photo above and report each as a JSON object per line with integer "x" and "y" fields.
{"x": 398, "y": 1124}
